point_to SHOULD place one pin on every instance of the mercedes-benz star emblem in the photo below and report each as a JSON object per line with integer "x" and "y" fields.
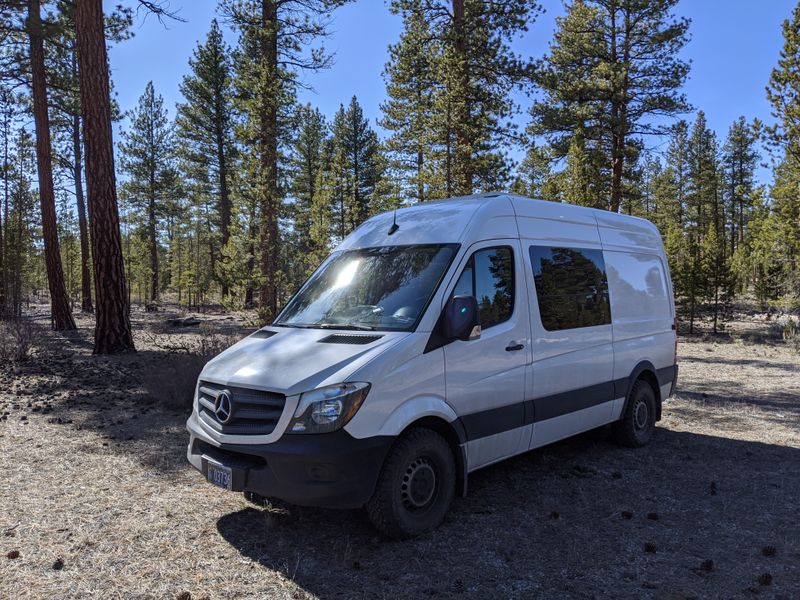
{"x": 223, "y": 406}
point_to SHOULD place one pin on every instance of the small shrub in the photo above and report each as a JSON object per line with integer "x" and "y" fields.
{"x": 16, "y": 338}
{"x": 765, "y": 579}
{"x": 791, "y": 334}
{"x": 707, "y": 565}
{"x": 650, "y": 548}
{"x": 769, "y": 551}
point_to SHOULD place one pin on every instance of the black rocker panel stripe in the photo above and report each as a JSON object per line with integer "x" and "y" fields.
{"x": 504, "y": 418}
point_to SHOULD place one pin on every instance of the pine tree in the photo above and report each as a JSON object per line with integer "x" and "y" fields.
{"x": 412, "y": 87}
{"x": 739, "y": 162}
{"x": 353, "y": 172}
{"x": 715, "y": 272}
{"x": 61, "y": 315}
{"x": 273, "y": 37}
{"x": 613, "y": 65}
{"x": 786, "y": 207}
{"x": 704, "y": 213}
{"x": 62, "y": 67}
{"x": 476, "y": 68}
{"x": 147, "y": 156}
{"x": 576, "y": 182}
{"x": 308, "y": 153}
{"x": 113, "y": 329}
{"x": 204, "y": 131}
{"x": 535, "y": 177}
{"x": 678, "y": 166}
{"x": 783, "y": 93}
{"x": 7, "y": 113}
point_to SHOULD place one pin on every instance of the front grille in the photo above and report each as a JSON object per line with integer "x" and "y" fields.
{"x": 253, "y": 412}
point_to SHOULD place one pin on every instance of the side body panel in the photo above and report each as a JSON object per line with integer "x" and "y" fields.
{"x": 643, "y": 307}
{"x": 572, "y": 370}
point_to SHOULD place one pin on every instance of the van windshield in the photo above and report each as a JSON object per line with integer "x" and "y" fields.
{"x": 385, "y": 288}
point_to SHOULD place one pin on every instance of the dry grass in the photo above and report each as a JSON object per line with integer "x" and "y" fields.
{"x": 94, "y": 476}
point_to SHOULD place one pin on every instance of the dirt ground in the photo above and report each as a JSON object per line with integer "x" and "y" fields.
{"x": 97, "y": 500}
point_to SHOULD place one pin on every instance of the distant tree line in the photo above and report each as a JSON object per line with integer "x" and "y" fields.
{"x": 240, "y": 196}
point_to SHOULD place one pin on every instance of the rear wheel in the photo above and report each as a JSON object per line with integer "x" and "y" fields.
{"x": 639, "y": 420}
{"x": 416, "y": 485}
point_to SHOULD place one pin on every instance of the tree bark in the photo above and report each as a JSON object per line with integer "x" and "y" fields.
{"x": 224, "y": 194}
{"x": 4, "y": 218}
{"x": 268, "y": 297}
{"x": 60, "y": 314}
{"x": 86, "y": 277}
{"x": 113, "y": 330}
{"x": 465, "y": 176}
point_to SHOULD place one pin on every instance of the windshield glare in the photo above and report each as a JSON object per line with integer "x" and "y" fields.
{"x": 383, "y": 288}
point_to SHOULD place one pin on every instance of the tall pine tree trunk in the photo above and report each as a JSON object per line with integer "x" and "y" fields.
{"x": 464, "y": 182}
{"x": 61, "y": 316}
{"x": 86, "y": 277}
{"x": 268, "y": 298}
{"x": 153, "y": 243}
{"x": 113, "y": 330}
{"x": 4, "y": 226}
{"x": 224, "y": 198}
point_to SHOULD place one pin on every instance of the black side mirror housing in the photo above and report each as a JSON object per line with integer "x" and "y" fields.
{"x": 462, "y": 319}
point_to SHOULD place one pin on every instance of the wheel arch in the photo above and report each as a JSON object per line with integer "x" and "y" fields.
{"x": 646, "y": 371}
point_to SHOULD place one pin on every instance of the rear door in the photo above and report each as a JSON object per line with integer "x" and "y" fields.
{"x": 485, "y": 378}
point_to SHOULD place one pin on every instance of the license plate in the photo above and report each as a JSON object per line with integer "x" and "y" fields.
{"x": 220, "y": 475}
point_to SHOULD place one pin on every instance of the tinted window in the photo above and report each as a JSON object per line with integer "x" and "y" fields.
{"x": 571, "y": 287}
{"x": 489, "y": 277}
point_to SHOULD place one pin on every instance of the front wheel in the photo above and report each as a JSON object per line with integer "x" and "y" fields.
{"x": 416, "y": 485}
{"x": 639, "y": 421}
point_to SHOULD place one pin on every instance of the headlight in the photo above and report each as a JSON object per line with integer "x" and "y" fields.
{"x": 327, "y": 409}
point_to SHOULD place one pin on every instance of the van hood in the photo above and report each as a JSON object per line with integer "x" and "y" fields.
{"x": 291, "y": 360}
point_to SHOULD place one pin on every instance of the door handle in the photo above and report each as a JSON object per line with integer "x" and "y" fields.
{"x": 514, "y": 346}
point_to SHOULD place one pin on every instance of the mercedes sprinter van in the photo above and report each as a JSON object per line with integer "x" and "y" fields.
{"x": 438, "y": 340}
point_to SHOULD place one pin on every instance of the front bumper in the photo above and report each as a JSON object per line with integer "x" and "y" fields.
{"x": 330, "y": 470}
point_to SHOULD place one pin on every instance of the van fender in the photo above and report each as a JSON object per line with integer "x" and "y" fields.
{"x": 622, "y": 387}
{"x": 416, "y": 409}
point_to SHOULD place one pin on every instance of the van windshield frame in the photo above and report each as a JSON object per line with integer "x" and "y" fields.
{"x": 318, "y": 305}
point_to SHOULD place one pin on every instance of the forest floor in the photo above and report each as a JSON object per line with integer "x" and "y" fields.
{"x": 97, "y": 499}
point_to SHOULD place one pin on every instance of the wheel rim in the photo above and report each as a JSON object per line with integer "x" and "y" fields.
{"x": 419, "y": 485}
{"x": 641, "y": 416}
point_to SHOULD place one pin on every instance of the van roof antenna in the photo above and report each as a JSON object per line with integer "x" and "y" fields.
{"x": 394, "y": 226}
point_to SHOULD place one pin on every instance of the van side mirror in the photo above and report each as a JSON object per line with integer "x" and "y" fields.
{"x": 462, "y": 319}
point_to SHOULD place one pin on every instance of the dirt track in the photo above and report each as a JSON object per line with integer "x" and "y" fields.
{"x": 94, "y": 474}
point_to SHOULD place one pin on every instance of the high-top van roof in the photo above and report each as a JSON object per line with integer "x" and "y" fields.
{"x": 470, "y": 219}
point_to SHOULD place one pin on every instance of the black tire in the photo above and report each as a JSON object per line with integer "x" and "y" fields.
{"x": 636, "y": 427}
{"x": 416, "y": 486}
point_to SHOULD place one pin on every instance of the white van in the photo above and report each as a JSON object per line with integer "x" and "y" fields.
{"x": 434, "y": 342}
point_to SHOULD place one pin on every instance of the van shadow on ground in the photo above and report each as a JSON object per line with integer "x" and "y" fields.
{"x": 550, "y": 524}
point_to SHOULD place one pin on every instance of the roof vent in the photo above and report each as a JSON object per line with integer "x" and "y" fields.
{"x": 350, "y": 338}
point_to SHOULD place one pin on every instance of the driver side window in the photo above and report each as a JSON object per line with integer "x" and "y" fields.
{"x": 489, "y": 277}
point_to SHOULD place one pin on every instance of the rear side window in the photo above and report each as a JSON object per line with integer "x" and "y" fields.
{"x": 489, "y": 277}
{"x": 571, "y": 287}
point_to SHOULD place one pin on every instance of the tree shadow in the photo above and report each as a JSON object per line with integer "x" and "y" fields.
{"x": 766, "y": 364}
{"x": 550, "y": 523}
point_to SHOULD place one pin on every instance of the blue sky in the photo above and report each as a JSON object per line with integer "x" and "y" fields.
{"x": 734, "y": 45}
